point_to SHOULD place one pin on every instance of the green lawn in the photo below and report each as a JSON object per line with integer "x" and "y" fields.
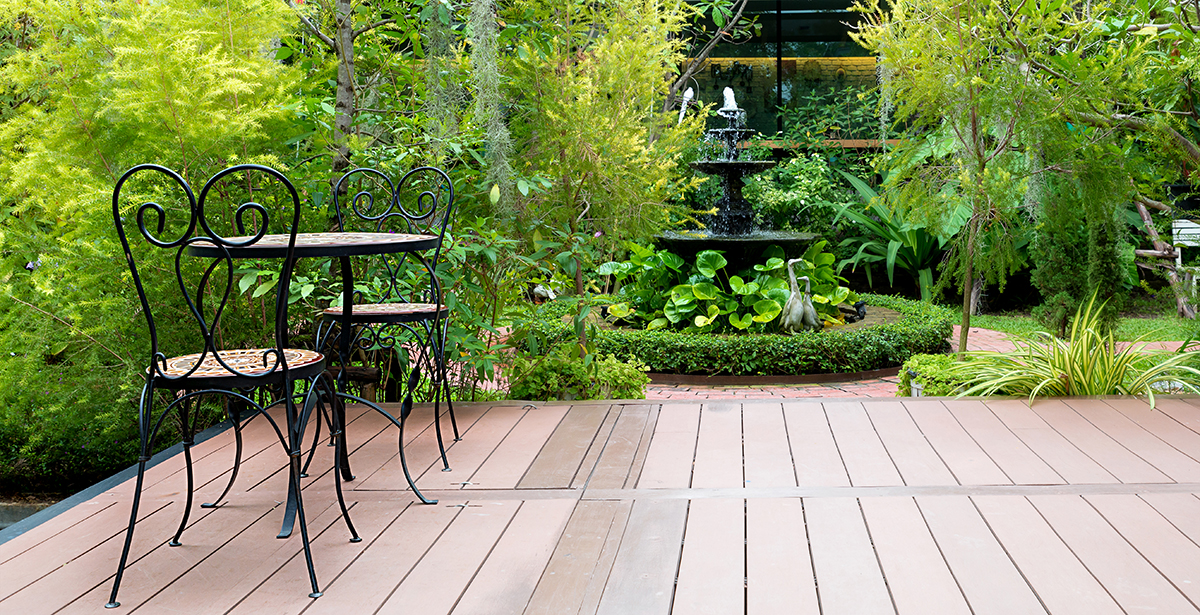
{"x": 1154, "y": 329}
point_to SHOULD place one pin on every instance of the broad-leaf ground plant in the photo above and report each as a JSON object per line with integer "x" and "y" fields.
{"x": 659, "y": 290}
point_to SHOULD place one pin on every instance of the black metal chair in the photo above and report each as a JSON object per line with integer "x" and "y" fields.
{"x": 402, "y": 315}
{"x": 199, "y": 287}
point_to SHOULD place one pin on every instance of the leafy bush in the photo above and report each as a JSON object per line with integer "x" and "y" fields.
{"x": 96, "y": 88}
{"x": 562, "y": 374}
{"x": 794, "y": 195}
{"x": 931, "y": 373}
{"x": 663, "y": 292}
{"x": 890, "y": 239}
{"x": 1088, "y": 363}
{"x": 923, "y": 329}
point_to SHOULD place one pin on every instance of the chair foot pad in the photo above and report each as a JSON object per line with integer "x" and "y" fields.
{"x": 356, "y": 539}
{"x": 174, "y": 543}
{"x": 112, "y": 605}
{"x": 447, "y": 470}
{"x": 315, "y": 595}
{"x": 209, "y": 505}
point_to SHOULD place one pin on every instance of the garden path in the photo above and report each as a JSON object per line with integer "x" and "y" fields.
{"x": 901, "y": 506}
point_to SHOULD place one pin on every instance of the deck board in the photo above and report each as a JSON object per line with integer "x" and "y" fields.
{"x": 1131, "y": 580}
{"x": 916, "y": 460}
{"x": 712, "y": 568}
{"x": 1061, "y": 581}
{"x": 719, "y": 447}
{"x": 670, "y": 457}
{"x": 563, "y": 454}
{"x": 505, "y": 466}
{"x": 779, "y": 574}
{"x": 918, "y": 576}
{"x": 862, "y": 451}
{"x": 849, "y": 578}
{"x": 814, "y": 451}
{"x": 912, "y": 506}
{"x": 616, "y": 457}
{"x": 991, "y": 582}
{"x": 768, "y": 458}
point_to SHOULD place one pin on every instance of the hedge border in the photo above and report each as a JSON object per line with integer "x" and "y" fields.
{"x": 922, "y": 330}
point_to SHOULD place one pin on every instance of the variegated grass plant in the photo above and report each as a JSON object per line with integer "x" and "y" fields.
{"x": 1089, "y": 362}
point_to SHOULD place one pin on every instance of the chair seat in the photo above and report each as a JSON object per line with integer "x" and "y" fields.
{"x": 390, "y": 312}
{"x": 249, "y": 362}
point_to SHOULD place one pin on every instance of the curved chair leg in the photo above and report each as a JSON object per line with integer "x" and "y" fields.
{"x": 339, "y": 454}
{"x": 312, "y": 450}
{"x": 441, "y": 365}
{"x": 144, "y": 408}
{"x": 295, "y": 432}
{"x": 405, "y": 410}
{"x": 188, "y": 426}
{"x": 235, "y": 416}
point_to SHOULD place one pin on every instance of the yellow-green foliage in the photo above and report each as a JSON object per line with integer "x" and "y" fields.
{"x": 103, "y": 86}
{"x": 592, "y": 82}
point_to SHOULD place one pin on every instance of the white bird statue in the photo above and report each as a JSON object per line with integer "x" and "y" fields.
{"x": 799, "y": 314}
{"x": 688, "y": 94}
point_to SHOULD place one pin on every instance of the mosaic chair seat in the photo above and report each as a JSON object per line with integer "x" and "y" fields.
{"x": 168, "y": 228}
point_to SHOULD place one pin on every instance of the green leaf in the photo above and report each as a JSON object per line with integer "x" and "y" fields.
{"x": 706, "y": 291}
{"x": 709, "y": 262}
{"x": 657, "y": 323}
{"x": 736, "y": 283}
{"x": 672, "y": 261}
{"x": 523, "y": 187}
{"x": 264, "y": 288}
{"x": 620, "y": 310}
{"x": 740, "y": 322}
{"x": 494, "y": 195}
{"x": 772, "y": 264}
{"x": 766, "y": 310}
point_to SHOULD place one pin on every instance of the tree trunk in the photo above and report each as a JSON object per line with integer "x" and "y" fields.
{"x": 968, "y": 282}
{"x": 343, "y": 109}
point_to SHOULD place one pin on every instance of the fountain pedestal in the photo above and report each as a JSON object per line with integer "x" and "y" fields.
{"x": 734, "y": 215}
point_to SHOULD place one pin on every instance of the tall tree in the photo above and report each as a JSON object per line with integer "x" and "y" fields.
{"x": 338, "y": 37}
{"x": 985, "y": 82}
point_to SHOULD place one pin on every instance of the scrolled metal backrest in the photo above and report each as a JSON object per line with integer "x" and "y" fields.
{"x": 201, "y": 289}
{"x": 421, "y": 202}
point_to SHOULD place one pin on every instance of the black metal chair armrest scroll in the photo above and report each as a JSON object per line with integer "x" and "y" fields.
{"x": 170, "y": 220}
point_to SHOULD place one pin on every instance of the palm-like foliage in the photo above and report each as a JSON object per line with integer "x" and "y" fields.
{"x": 1089, "y": 362}
{"x": 889, "y": 239}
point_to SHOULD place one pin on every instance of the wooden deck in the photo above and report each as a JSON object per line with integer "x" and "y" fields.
{"x": 834, "y": 506}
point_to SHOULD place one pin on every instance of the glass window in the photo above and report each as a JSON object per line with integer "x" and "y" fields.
{"x": 804, "y": 52}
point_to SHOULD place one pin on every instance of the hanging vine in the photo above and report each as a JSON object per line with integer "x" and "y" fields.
{"x": 444, "y": 94}
{"x": 489, "y": 101}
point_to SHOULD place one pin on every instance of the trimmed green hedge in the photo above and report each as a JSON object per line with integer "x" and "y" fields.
{"x": 923, "y": 329}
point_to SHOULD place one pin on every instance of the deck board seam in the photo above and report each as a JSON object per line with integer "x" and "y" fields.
{"x": 493, "y": 451}
{"x": 1025, "y": 578}
{"x": 1135, "y": 548}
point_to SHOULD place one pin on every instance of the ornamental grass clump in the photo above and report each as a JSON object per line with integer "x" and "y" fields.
{"x": 1089, "y": 362}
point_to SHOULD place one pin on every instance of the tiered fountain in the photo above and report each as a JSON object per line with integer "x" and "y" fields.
{"x": 731, "y": 229}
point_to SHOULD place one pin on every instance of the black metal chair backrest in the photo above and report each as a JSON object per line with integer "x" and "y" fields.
{"x": 421, "y": 202}
{"x": 203, "y": 286}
